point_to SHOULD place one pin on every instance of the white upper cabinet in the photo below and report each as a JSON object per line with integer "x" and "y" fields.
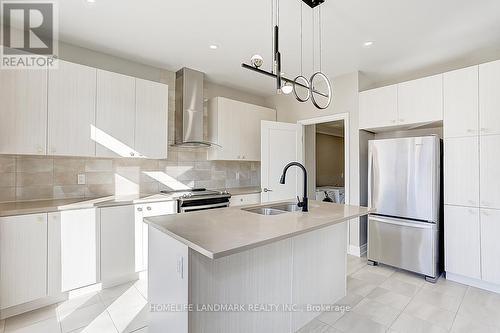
{"x": 71, "y": 109}
{"x": 151, "y": 107}
{"x": 235, "y": 127}
{"x": 378, "y": 107}
{"x": 420, "y": 101}
{"x": 462, "y": 241}
{"x": 23, "y": 114}
{"x": 23, "y": 258}
{"x": 490, "y": 246}
{"x": 115, "y": 115}
{"x": 461, "y": 171}
{"x": 489, "y": 98}
{"x": 461, "y": 102}
{"x": 490, "y": 171}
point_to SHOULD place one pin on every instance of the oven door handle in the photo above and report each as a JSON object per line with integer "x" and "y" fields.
{"x": 190, "y": 208}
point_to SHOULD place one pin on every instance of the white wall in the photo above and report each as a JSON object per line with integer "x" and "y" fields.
{"x": 345, "y": 100}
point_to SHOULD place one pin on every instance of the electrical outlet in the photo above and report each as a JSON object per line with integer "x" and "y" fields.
{"x": 81, "y": 179}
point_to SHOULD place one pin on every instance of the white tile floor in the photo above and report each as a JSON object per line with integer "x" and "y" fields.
{"x": 382, "y": 300}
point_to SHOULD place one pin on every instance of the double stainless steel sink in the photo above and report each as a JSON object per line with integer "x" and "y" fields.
{"x": 274, "y": 209}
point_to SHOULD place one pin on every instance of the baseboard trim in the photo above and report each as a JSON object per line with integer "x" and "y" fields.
{"x": 473, "y": 282}
{"x": 357, "y": 251}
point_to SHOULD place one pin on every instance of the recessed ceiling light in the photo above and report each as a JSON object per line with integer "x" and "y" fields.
{"x": 214, "y": 47}
{"x": 368, "y": 43}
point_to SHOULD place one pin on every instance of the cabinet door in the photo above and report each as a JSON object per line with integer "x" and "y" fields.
{"x": 73, "y": 250}
{"x": 23, "y": 114}
{"x": 141, "y": 228}
{"x": 71, "y": 102}
{"x": 378, "y": 107}
{"x": 461, "y": 171}
{"x": 228, "y": 129}
{"x": 250, "y": 123}
{"x": 115, "y": 115}
{"x": 421, "y": 100}
{"x": 462, "y": 241}
{"x": 23, "y": 259}
{"x": 490, "y": 246}
{"x": 117, "y": 244}
{"x": 489, "y": 99}
{"x": 151, "y": 107}
{"x": 490, "y": 171}
{"x": 461, "y": 102}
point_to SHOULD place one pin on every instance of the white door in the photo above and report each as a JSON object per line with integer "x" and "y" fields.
{"x": 461, "y": 171}
{"x": 71, "y": 101}
{"x": 378, "y": 107}
{"x": 23, "y": 259}
{"x": 115, "y": 115}
{"x": 490, "y": 247}
{"x": 489, "y": 98}
{"x": 461, "y": 102}
{"x": 279, "y": 146}
{"x": 489, "y": 171}
{"x": 151, "y": 107}
{"x": 73, "y": 249}
{"x": 23, "y": 113}
{"x": 117, "y": 244}
{"x": 420, "y": 100}
{"x": 462, "y": 241}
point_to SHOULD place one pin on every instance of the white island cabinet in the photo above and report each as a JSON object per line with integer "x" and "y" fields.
{"x": 230, "y": 256}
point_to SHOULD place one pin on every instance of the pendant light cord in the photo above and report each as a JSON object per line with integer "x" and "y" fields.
{"x": 313, "y": 40}
{"x": 301, "y": 46}
{"x": 272, "y": 36}
{"x": 320, "y": 42}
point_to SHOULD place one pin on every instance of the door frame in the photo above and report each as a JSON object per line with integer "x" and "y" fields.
{"x": 326, "y": 119}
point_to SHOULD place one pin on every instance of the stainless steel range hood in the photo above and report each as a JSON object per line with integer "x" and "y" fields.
{"x": 189, "y": 109}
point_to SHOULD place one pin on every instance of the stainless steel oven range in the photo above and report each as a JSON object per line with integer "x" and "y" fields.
{"x": 199, "y": 199}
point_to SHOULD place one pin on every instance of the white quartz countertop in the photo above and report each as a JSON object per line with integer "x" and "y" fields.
{"x": 55, "y": 205}
{"x": 221, "y": 232}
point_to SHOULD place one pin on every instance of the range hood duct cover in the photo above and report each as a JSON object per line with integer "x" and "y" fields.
{"x": 189, "y": 109}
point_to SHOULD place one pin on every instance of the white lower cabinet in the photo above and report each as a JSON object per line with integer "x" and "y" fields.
{"x": 141, "y": 228}
{"x": 462, "y": 239}
{"x": 73, "y": 250}
{"x": 245, "y": 199}
{"x": 117, "y": 244}
{"x": 23, "y": 259}
{"x": 490, "y": 246}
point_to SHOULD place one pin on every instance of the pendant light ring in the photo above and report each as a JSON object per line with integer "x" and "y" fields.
{"x": 304, "y": 84}
{"x": 311, "y": 90}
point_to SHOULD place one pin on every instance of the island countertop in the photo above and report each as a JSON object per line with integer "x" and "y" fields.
{"x": 221, "y": 232}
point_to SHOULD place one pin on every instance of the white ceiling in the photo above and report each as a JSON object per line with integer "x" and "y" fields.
{"x": 411, "y": 37}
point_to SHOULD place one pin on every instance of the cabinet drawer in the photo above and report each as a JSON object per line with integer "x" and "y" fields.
{"x": 245, "y": 199}
{"x": 157, "y": 208}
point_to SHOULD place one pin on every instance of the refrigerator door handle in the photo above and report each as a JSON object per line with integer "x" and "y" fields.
{"x": 412, "y": 224}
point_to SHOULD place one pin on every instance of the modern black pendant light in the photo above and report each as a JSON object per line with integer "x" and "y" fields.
{"x": 301, "y": 81}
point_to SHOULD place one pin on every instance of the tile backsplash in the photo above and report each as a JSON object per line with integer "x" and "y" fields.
{"x": 51, "y": 177}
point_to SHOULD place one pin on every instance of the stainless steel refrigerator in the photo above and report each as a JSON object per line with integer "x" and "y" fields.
{"x": 404, "y": 189}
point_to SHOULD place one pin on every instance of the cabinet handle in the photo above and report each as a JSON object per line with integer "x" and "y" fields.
{"x": 243, "y": 157}
{"x": 139, "y": 209}
{"x": 39, "y": 149}
{"x": 401, "y": 120}
{"x": 148, "y": 208}
{"x": 267, "y": 189}
{"x": 393, "y": 121}
{"x": 132, "y": 154}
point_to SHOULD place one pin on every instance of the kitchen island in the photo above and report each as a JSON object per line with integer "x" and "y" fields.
{"x": 235, "y": 270}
